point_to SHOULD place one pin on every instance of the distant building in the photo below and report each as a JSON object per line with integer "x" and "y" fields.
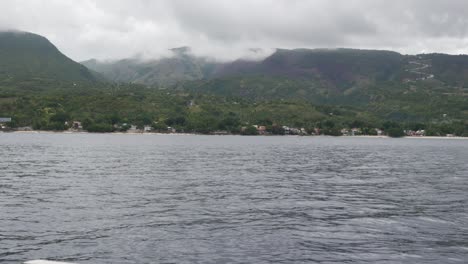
{"x": 220, "y": 132}
{"x": 261, "y": 129}
{"x": 316, "y": 131}
{"x": 356, "y": 131}
{"x": 379, "y": 132}
{"x": 418, "y": 133}
{"x": 76, "y": 125}
{"x": 294, "y": 131}
{"x": 5, "y": 119}
{"x": 345, "y": 132}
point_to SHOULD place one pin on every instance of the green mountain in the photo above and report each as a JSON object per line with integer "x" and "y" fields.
{"x": 26, "y": 56}
{"x": 318, "y": 75}
{"x": 335, "y": 68}
{"x": 450, "y": 69}
{"x": 328, "y": 89}
{"x": 179, "y": 67}
{"x": 388, "y": 84}
{"x": 329, "y": 70}
{"x": 392, "y": 85}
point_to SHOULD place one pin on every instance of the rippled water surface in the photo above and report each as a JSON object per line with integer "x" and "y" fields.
{"x": 91, "y": 198}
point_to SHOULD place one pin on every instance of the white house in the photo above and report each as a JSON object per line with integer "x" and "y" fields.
{"x": 5, "y": 119}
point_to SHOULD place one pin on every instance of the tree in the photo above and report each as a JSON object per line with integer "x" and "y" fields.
{"x": 368, "y": 131}
{"x": 229, "y": 123}
{"x": 11, "y": 124}
{"x": 87, "y": 123}
{"x": 389, "y": 124}
{"x": 100, "y": 128}
{"x": 124, "y": 128}
{"x": 176, "y": 121}
{"x": 114, "y": 118}
{"x": 328, "y": 124}
{"x": 159, "y": 126}
{"x": 331, "y": 132}
{"x": 276, "y": 130}
{"x": 395, "y": 132}
{"x": 60, "y": 117}
{"x": 249, "y": 131}
{"x": 357, "y": 123}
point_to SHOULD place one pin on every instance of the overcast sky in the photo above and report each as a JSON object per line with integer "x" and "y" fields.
{"x": 111, "y": 29}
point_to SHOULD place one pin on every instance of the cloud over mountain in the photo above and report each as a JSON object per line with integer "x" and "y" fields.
{"x": 227, "y": 30}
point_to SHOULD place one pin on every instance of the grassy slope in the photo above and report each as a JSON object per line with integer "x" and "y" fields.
{"x": 26, "y": 56}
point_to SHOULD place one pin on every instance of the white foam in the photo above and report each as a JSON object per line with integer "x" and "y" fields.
{"x": 39, "y": 261}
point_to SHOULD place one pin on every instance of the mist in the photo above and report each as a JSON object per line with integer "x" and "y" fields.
{"x": 226, "y": 30}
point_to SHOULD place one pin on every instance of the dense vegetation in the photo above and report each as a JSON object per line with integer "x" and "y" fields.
{"x": 336, "y": 69}
{"x": 164, "y": 72}
{"x": 27, "y": 56}
{"x": 291, "y": 91}
{"x": 106, "y": 108}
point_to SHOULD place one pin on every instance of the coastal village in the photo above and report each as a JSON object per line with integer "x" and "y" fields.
{"x": 77, "y": 127}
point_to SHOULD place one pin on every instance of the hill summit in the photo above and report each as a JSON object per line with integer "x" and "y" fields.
{"x": 27, "y": 56}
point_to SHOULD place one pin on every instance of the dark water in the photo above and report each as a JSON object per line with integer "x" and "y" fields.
{"x": 226, "y": 199}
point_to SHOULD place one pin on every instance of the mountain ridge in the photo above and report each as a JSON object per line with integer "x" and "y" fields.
{"x": 26, "y": 56}
{"x": 337, "y": 66}
{"x": 346, "y": 84}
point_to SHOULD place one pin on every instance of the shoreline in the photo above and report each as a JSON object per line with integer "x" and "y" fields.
{"x": 196, "y": 134}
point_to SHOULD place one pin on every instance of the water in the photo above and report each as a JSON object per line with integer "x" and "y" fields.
{"x": 90, "y": 198}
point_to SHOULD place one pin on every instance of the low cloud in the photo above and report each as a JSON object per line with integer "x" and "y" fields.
{"x": 226, "y": 30}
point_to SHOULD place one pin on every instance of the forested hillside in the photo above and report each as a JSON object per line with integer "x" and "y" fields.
{"x": 327, "y": 89}
{"x": 25, "y": 56}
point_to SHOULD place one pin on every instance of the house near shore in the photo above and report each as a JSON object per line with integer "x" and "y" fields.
{"x": 133, "y": 129}
{"x": 418, "y": 133}
{"x": 345, "y": 132}
{"x": 76, "y": 125}
{"x": 379, "y": 132}
{"x": 261, "y": 130}
{"x": 3, "y": 121}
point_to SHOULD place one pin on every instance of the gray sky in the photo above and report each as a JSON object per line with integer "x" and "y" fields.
{"x": 111, "y": 29}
